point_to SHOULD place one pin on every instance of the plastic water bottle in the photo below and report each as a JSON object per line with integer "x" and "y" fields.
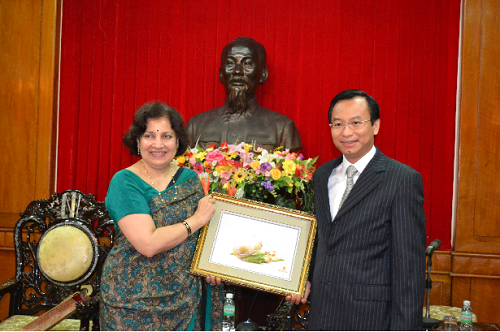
{"x": 466, "y": 317}
{"x": 229, "y": 309}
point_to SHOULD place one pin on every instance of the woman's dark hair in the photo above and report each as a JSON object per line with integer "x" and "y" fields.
{"x": 351, "y": 94}
{"x": 155, "y": 111}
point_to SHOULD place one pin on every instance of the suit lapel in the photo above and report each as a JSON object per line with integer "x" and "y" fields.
{"x": 367, "y": 181}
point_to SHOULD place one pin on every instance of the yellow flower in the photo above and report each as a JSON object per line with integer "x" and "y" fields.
{"x": 239, "y": 175}
{"x": 200, "y": 155}
{"x": 251, "y": 177}
{"x": 289, "y": 166}
{"x": 231, "y": 155}
{"x": 275, "y": 173}
{"x": 255, "y": 164}
{"x": 181, "y": 159}
{"x": 247, "y": 147}
{"x": 223, "y": 168}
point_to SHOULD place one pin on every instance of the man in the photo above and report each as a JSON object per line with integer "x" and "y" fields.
{"x": 368, "y": 270}
{"x": 241, "y": 119}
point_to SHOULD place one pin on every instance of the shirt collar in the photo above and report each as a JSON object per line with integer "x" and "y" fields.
{"x": 360, "y": 164}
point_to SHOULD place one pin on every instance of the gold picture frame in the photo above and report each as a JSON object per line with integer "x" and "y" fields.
{"x": 256, "y": 245}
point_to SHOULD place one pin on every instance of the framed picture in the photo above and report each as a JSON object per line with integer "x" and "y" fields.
{"x": 256, "y": 245}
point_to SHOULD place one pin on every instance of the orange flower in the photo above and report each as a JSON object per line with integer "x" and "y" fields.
{"x": 208, "y": 167}
{"x": 298, "y": 170}
{"x": 205, "y": 183}
{"x": 181, "y": 160}
{"x": 231, "y": 189}
{"x": 224, "y": 166}
{"x": 275, "y": 173}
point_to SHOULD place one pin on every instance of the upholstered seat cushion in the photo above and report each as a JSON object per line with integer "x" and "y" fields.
{"x": 439, "y": 311}
{"x": 65, "y": 253}
{"x": 17, "y": 322}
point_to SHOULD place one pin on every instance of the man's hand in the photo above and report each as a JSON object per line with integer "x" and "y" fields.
{"x": 213, "y": 281}
{"x": 296, "y": 299}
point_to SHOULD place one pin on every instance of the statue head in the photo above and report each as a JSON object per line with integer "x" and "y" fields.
{"x": 243, "y": 68}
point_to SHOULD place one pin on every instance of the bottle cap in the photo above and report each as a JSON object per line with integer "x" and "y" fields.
{"x": 229, "y": 295}
{"x": 466, "y": 302}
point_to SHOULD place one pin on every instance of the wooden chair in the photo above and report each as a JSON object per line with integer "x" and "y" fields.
{"x": 288, "y": 317}
{"x": 61, "y": 244}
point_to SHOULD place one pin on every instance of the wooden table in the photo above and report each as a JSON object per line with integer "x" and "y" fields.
{"x": 475, "y": 327}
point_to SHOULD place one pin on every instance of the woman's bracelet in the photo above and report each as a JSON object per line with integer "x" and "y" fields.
{"x": 187, "y": 227}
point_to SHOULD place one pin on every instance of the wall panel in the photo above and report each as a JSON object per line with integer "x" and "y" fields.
{"x": 476, "y": 277}
{"x": 29, "y": 36}
{"x": 476, "y": 257}
{"x": 441, "y": 280}
{"x": 27, "y": 93}
{"x": 478, "y": 208}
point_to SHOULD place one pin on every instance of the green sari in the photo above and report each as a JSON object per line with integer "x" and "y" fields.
{"x": 157, "y": 293}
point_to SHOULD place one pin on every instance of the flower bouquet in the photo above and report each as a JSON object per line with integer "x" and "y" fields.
{"x": 279, "y": 177}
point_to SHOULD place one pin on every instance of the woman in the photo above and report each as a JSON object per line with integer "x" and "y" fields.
{"x": 158, "y": 209}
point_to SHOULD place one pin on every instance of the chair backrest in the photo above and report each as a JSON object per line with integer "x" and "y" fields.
{"x": 61, "y": 244}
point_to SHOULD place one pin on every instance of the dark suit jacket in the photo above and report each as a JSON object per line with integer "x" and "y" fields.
{"x": 368, "y": 270}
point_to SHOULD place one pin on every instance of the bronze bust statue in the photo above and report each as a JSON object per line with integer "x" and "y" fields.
{"x": 241, "y": 119}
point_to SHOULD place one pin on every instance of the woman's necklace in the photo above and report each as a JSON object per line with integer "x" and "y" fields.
{"x": 149, "y": 176}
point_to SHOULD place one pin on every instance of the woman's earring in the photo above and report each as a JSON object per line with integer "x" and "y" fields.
{"x": 139, "y": 151}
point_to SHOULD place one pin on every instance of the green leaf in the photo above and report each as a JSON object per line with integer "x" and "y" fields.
{"x": 257, "y": 258}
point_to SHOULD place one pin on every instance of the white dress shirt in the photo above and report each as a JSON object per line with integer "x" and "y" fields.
{"x": 338, "y": 179}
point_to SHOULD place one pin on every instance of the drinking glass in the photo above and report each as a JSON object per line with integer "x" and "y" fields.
{"x": 450, "y": 323}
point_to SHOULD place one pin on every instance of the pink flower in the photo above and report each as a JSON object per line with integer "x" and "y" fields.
{"x": 248, "y": 158}
{"x": 214, "y": 155}
{"x": 225, "y": 177}
{"x": 236, "y": 148}
{"x": 198, "y": 168}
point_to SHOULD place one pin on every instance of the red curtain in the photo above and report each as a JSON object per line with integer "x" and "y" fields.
{"x": 116, "y": 55}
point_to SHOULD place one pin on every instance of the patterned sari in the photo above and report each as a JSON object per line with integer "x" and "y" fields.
{"x": 157, "y": 293}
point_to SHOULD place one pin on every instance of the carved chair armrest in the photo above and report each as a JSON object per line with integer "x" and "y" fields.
{"x": 7, "y": 287}
{"x": 57, "y": 314}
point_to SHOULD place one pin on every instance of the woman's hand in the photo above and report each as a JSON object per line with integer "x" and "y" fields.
{"x": 204, "y": 212}
{"x": 213, "y": 281}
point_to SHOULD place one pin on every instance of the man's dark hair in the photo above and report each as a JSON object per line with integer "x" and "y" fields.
{"x": 250, "y": 43}
{"x": 155, "y": 111}
{"x": 351, "y": 94}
